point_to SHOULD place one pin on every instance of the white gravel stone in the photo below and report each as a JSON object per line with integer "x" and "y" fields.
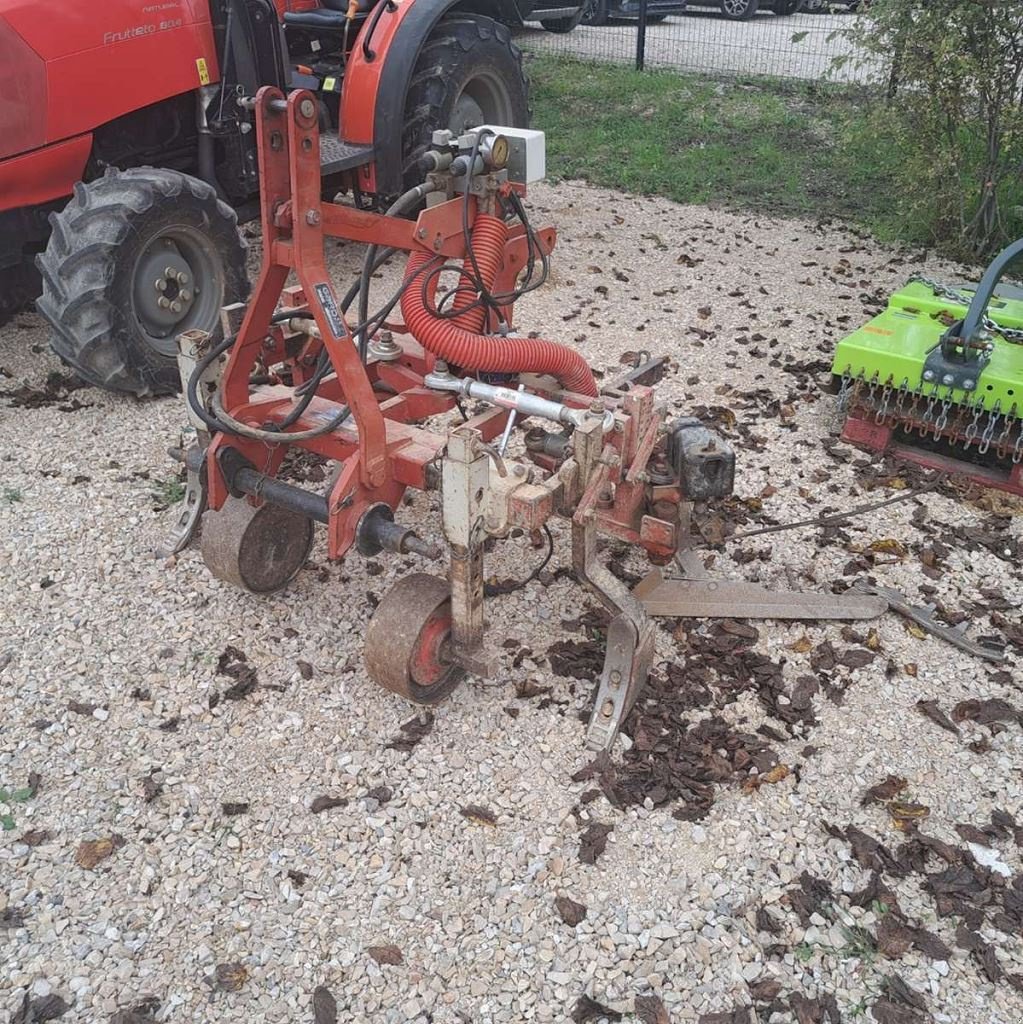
{"x": 296, "y": 898}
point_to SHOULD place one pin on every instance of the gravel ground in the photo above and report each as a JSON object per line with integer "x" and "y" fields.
{"x": 167, "y": 846}
{"x": 702, "y": 41}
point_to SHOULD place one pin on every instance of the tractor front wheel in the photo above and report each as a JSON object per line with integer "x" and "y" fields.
{"x": 136, "y": 258}
{"x": 468, "y": 73}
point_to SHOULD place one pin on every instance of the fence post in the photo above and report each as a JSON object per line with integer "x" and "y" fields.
{"x": 641, "y": 36}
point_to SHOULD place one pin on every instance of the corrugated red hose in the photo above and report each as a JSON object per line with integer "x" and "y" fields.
{"x": 458, "y": 341}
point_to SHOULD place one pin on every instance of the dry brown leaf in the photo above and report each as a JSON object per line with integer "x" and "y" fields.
{"x": 910, "y": 668}
{"x": 326, "y": 803}
{"x": 885, "y": 790}
{"x": 91, "y": 851}
{"x": 651, "y": 1010}
{"x": 873, "y": 642}
{"x": 914, "y": 630}
{"x": 888, "y": 546}
{"x": 35, "y": 836}
{"x": 324, "y": 1006}
{"x": 480, "y": 815}
{"x": 905, "y": 814}
{"x": 386, "y": 956}
{"x": 231, "y": 977}
{"x": 570, "y": 911}
{"x": 769, "y": 778}
{"x": 802, "y": 645}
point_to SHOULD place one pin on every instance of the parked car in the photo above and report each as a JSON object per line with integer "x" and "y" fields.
{"x": 743, "y": 10}
{"x": 599, "y": 12}
{"x": 830, "y": 6}
{"x": 557, "y": 17}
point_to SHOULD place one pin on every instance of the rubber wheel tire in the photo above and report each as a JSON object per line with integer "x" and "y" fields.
{"x": 100, "y": 241}
{"x": 466, "y": 56}
{"x": 19, "y": 286}
{"x": 559, "y": 26}
{"x": 813, "y": 6}
{"x": 596, "y": 13}
{"x": 741, "y": 14}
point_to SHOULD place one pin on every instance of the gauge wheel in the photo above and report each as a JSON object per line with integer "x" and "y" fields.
{"x": 136, "y": 258}
{"x": 408, "y": 640}
{"x": 257, "y": 549}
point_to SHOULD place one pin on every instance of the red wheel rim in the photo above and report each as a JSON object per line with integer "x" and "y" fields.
{"x": 429, "y": 664}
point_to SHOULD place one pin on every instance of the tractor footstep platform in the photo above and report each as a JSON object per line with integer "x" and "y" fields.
{"x": 337, "y": 155}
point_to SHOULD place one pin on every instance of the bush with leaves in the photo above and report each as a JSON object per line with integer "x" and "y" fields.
{"x": 954, "y": 73}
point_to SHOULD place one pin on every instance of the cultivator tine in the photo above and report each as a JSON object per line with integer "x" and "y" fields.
{"x": 973, "y": 429}
{"x": 989, "y": 430}
{"x": 886, "y": 394}
{"x": 1002, "y": 444}
{"x": 900, "y": 398}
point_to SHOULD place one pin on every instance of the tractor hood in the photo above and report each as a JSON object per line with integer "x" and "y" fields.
{"x": 23, "y": 97}
{"x": 84, "y": 64}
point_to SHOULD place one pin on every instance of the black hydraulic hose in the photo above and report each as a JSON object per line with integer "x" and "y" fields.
{"x": 307, "y": 391}
{"x": 399, "y": 206}
{"x": 192, "y": 389}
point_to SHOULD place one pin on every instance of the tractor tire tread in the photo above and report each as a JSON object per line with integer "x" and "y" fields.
{"x": 79, "y": 264}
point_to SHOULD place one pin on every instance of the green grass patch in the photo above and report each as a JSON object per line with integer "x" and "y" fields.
{"x": 799, "y": 149}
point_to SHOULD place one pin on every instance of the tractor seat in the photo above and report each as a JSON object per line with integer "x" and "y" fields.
{"x": 330, "y": 16}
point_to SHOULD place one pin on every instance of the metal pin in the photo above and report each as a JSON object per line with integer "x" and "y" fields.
{"x": 506, "y": 434}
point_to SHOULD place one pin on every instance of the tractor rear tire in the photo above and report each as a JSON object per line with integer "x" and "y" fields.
{"x": 469, "y": 73}
{"x": 19, "y": 285}
{"x": 123, "y": 244}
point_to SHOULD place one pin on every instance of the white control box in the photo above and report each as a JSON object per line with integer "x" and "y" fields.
{"x": 527, "y": 153}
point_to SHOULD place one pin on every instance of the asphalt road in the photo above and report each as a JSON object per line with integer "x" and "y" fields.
{"x": 802, "y": 46}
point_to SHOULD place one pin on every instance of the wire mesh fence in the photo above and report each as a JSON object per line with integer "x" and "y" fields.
{"x": 780, "y": 38}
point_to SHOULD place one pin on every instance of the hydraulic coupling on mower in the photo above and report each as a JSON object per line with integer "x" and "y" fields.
{"x": 298, "y": 370}
{"x": 937, "y": 378}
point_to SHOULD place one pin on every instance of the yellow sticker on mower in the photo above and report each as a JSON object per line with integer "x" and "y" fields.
{"x": 204, "y": 71}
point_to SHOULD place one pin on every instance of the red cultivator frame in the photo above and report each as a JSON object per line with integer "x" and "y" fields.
{"x": 299, "y": 375}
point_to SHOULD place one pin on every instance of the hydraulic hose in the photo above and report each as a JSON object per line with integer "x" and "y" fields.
{"x": 454, "y": 342}
{"x": 403, "y": 203}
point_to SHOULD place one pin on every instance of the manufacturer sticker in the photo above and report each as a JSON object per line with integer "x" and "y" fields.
{"x": 204, "y": 71}
{"x": 326, "y": 297}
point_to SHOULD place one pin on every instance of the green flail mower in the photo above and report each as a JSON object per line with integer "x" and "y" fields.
{"x": 937, "y": 377}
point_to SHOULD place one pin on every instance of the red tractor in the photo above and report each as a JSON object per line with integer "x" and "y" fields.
{"x": 128, "y": 153}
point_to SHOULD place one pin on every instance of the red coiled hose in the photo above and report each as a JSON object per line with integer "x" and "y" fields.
{"x": 458, "y": 340}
